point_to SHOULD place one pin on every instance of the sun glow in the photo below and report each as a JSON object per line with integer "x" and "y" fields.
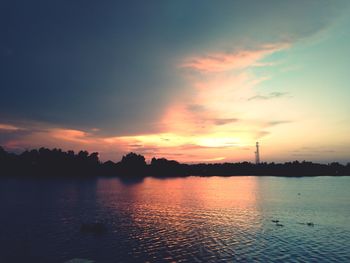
{"x": 218, "y": 142}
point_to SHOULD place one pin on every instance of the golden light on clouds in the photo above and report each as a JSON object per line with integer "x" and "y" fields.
{"x": 220, "y": 120}
{"x": 226, "y": 61}
{"x": 212, "y": 124}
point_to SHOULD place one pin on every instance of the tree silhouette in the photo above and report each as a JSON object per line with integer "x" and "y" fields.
{"x": 133, "y": 164}
{"x": 55, "y": 162}
{"x": 133, "y": 159}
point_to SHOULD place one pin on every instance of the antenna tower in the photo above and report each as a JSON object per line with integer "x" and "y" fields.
{"x": 257, "y": 154}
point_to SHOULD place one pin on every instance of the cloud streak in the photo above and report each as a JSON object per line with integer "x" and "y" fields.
{"x": 272, "y": 95}
{"x": 8, "y": 127}
{"x": 226, "y": 61}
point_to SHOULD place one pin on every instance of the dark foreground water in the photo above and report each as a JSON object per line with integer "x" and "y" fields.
{"x": 176, "y": 220}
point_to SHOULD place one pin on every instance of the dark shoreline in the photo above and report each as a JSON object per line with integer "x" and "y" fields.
{"x": 57, "y": 163}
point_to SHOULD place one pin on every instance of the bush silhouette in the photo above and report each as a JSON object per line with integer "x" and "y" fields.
{"x": 55, "y": 162}
{"x": 133, "y": 164}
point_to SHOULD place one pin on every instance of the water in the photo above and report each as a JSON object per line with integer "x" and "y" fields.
{"x": 189, "y": 219}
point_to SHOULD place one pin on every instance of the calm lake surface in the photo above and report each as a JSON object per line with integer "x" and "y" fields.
{"x": 193, "y": 219}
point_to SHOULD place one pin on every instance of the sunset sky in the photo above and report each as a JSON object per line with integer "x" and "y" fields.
{"x": 194, "y": 81}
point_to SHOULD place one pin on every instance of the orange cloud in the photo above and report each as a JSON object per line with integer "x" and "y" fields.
{"x": 8, "y": 127}
{"x": 215, "y": 123}
{"x": 213, "y": 118}
{"x": 69, "y": 135}
{"x": 224, "y": 61}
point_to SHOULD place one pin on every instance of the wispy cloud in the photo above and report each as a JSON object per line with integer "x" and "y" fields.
{"x": 274, "y": 123}
{"x": 261, "y": 134}
{"x": 306, "y": 149}
{"x": 239, "y": 59}
{"x": 196, "y": 108}
{"x": 8, "y": 127}
{"x": 69, "y": 135}
{"x": 34, "y": 135}
{"x": 272, "y": 95}
{"x": 223, "y": 121}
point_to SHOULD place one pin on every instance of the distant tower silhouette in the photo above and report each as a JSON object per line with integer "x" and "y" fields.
{"x": 257, "y": 154}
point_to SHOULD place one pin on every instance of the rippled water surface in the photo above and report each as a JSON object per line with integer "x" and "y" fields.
{"x": 191, "y": 219}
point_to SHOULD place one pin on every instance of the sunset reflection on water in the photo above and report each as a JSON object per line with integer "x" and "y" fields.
{"x": 194, "y": 216}
{"x": 223, "y": 218}
{"x": 191, "y": 219}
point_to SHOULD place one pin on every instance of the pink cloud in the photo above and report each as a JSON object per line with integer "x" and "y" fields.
{"x": 69, "y": 135}
{"x": 43, "y": 135}
{"x": 224, "y": 61}
{"x": 8, "y": 127}
{"x": 193, "y": 129}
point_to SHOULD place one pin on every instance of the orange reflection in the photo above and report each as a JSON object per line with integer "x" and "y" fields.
{"x": 167, "y": 211}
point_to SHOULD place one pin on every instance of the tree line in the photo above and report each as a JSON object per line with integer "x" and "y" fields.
{"x": 55, "y": 162}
